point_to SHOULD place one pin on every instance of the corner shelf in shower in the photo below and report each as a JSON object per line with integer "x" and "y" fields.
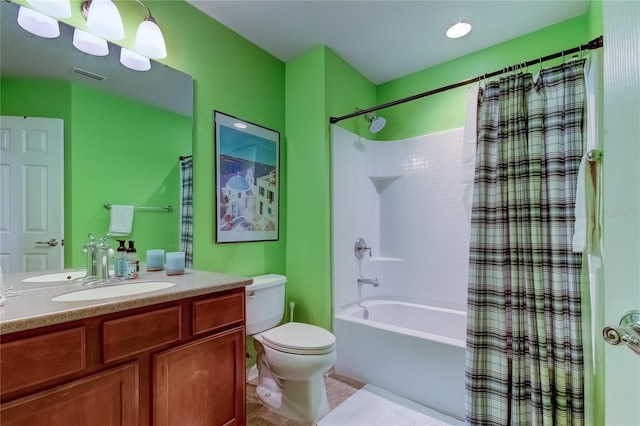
{"x": 385, "y": 259}
{"x": 382, "y": 182}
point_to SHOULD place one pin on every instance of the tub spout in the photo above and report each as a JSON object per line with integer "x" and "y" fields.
{"x": 361, "y": 280}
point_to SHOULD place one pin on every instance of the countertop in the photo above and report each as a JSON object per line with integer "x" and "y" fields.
{"x": 34, "y": 308}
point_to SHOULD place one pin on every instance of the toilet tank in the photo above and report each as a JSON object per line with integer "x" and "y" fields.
{"x": 264, "y": 302}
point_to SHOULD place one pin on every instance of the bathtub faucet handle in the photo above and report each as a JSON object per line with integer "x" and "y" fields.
{"x": 361, "y": 247}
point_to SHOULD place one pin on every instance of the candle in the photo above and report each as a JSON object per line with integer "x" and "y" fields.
{"x": 175, "y": 263}
{"x": 155, "y": 260}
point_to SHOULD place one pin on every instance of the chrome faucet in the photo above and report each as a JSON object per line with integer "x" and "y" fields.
{"x": 91, "y": 249}
{"x": 103, "y": 253}
{"x": 361, "y": 280}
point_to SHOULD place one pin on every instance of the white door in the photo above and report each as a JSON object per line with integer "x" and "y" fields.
{"x": 621, "y": 287}
{"x": 31, "y": 194}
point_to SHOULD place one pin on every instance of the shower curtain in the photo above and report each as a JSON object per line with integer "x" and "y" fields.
{"x": 186, "y": 211}
{"x": 524, "y": 363}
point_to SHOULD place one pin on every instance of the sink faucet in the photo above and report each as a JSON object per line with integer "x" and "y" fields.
{"x": 91, "y": 249}
{"x": 361, "y": 280}
{"x": 103, "y": 253}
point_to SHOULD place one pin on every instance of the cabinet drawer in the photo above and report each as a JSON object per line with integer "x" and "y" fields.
{"x": 106, "y": 398}
{"x": 37, "y": 359}
{"x": 138, "y": 333}
{"x": 217, "y": 312}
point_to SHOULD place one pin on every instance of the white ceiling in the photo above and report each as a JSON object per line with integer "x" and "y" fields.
{"x": 385, "y": 40}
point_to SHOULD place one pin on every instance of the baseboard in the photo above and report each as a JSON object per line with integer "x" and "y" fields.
{"x": 252, "y": 373}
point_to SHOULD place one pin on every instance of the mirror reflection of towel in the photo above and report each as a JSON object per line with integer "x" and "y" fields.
{"x": 121, "y": 220}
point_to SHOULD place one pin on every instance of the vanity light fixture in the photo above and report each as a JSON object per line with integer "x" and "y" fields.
{"x": 240, "y": 125}
{"x": 149, "y": 39}
{"x": 90, "y": 43}
{"x": 458, "y": 30}
{"x": 53, "y": 8}
{"x": 134, "y": 60}
{"x": 37, "y": 23}
{"x": 103, "y": 19}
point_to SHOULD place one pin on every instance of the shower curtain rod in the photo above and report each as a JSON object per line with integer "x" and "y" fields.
{"x": 593, "y": 44}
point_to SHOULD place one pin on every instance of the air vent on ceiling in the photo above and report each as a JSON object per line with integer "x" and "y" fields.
{"x": 88, "y": 74}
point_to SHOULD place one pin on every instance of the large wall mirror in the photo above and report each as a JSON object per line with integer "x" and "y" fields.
{"x": 124, "y": 132}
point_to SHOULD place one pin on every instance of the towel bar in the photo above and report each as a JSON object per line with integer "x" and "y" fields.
{"x": 168, "y": 208}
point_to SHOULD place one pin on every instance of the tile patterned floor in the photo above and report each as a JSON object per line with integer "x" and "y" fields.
{"x": 339, "y": 388}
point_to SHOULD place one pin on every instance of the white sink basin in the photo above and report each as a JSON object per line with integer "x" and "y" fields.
{"x": 59, "y": 276}
{"x": 118, "y": 290}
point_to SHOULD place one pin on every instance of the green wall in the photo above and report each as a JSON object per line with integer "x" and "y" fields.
{"x": 127, "y": 156}
{"x": 317, "y": 83}
{"x": 320, "y": 85}
{"x": 231, "y": 75}
{"x": 236, "y": 77}
{"x": 115, "y": 151}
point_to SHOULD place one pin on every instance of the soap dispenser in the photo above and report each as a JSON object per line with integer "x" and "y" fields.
{"x": 133, "y": 265}
{"x": 121, "y": 260}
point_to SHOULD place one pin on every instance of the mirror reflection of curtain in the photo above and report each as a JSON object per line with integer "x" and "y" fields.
{"x": 525, "y": 361}
{"x": 186, "y": 227}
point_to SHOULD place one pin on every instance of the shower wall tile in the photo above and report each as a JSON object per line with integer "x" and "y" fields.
{"x": 438, "y": 241}
{"x": 415, "y": 223}
{"x": 355, "y": 213}
{"x": 384, "y": 159}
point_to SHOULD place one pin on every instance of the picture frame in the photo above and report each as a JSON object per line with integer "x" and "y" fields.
{"x": 247, "y": 180}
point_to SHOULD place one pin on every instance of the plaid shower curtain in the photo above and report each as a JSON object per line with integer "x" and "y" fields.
{"x": 186, "y": 228}
{"x": 524, "y": 363}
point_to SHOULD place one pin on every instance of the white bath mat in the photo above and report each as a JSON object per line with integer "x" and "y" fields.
{"x": 373, "y": 406}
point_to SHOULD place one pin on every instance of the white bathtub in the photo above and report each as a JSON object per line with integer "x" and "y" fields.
{"x": 415, "y": 351}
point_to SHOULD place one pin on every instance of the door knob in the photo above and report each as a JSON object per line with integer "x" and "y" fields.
{"x": 52, "y": 242}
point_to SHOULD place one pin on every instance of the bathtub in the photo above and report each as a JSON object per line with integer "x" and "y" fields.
{"x": 415, "y": 351}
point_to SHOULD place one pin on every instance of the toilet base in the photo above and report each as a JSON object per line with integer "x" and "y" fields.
{"x": 304, "y": 401}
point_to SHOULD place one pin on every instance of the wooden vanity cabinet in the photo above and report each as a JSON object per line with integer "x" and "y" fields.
{"x": 172, "y": 364}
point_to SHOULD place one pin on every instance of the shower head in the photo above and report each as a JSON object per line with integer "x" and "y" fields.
{"x": 375, "y": 123}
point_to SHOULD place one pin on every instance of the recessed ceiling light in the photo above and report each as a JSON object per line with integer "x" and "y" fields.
{"x": 240, "y": 125}
{"x": 459, "y": 30}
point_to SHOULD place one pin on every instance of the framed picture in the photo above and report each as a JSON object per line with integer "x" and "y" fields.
{"x": 247, "y": 174}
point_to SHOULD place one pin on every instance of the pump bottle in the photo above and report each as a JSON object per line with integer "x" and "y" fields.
{"x": 133, "y": 265}
{"x": 121, "y": 260}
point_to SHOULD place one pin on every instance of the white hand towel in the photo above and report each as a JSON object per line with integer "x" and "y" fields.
{"x": 121, "y": 220}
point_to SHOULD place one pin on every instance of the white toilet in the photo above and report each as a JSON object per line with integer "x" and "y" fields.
{"x": 291, "y": 358}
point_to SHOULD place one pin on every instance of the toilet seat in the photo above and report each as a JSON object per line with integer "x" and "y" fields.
{"x": 299, "y": 339}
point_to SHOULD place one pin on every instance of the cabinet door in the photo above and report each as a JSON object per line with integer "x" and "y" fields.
{"x": 108, "y": 398}
{"x": 201, "y": 383}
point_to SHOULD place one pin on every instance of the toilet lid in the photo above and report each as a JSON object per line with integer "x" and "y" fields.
{"x": 298, "y": 338}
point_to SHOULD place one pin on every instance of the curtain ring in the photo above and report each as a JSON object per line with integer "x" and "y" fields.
{"x": 540, "y": 65}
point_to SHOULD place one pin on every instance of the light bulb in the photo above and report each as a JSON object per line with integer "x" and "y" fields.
{"x": 90, "y": 43}
{"x": 103, "y": 19}
{"x": 134, "y": 61}
{"x": 458, "y": 30}
{"x": 37, "y": 23}
{"x": 149, "y": 40}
